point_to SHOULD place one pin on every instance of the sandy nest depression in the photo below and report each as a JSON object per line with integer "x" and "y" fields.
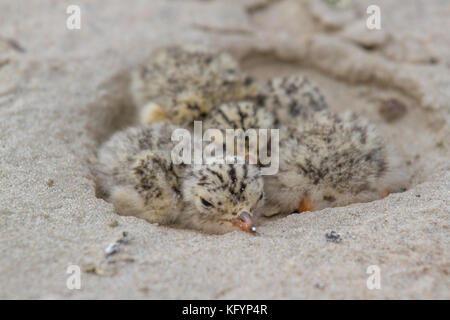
{"x": 62, "y": 93}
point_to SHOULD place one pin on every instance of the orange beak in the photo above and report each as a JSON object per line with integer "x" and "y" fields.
{"x": 305, "y": 205}
{"x": 244, "y": 222}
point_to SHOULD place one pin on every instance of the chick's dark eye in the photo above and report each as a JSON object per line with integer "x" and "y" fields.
{"x": 261, "y": 196}
{"x": 206, "y": 203}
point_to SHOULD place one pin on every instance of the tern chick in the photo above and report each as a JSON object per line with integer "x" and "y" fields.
{"x": 136, "y": 172}
{"x": 184, "y": 83}
{"x": 332, "y": 160}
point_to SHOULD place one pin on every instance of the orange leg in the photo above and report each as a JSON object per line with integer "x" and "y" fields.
{"x": 305, "y": 205}
{"x": 385, "y": 193}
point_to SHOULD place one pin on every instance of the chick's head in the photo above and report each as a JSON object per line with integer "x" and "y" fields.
{"x": 222, "y": 197}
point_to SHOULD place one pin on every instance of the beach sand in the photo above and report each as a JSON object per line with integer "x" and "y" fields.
{"x": 63, "y": 92}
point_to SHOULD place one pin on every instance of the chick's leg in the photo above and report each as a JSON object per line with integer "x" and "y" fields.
{"x": 384, "y": 193}
{"x": 306, "y": 205}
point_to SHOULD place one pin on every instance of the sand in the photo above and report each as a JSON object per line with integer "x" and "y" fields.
{"x": 63, "y": 92}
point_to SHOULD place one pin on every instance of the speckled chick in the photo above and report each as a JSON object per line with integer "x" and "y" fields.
{"x": 291, "y": 99}
{"x": 137, "y": 174}
{"x": 332, "y": 160}
{"x": 184, "y": 83}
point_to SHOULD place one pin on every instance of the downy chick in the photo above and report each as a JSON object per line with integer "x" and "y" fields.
{"x": 182, "y": 84}
{"x": 136, "y": 172}
{"x": 332, "y": 160}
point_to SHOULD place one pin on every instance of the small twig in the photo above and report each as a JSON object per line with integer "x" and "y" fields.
{"x": 13, "y": 44}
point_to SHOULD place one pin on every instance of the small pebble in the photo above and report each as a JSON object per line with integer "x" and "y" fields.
{"x": 319, "y": 285}
{"x": 392, "y": 110}
{"x": 50, "y": 182}
{"x": 125, "y": 238}
{"x": 113, "y": 248}
{"x": 114, "y": 224}
{"x": 333, "y": 237}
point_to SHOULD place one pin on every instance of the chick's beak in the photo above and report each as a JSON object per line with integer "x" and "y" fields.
{"x": 244, "y": 222}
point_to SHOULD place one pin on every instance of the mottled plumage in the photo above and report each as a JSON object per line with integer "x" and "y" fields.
{"x": 243, "y": 115}
{"x": 182, "y": 84}
{"x": 136, "y": 172}
{"x": 331, "y": 160}
{"x": 239, "y": 115}
{"x": 291, "y": 99}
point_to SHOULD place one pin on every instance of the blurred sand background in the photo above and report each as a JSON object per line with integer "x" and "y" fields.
{"x": 63, "y": 92}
